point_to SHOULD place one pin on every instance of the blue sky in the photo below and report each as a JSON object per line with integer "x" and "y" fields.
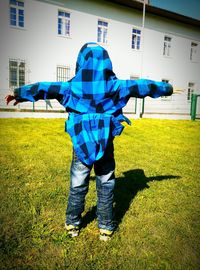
{"x": 190, "y": 8}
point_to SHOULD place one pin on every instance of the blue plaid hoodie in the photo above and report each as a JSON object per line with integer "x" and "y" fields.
{"x": 94, "y": 98}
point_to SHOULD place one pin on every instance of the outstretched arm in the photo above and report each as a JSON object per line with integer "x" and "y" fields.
{"x": 42, "y": 90}
{"x": 142, "y": 88}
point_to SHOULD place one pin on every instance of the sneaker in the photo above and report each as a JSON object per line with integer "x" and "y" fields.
{"x": 105, "y": 235}
{"x": 73, "y": 231}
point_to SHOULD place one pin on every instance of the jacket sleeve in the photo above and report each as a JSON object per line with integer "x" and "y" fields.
{"x": 42, "y": 90}
{"x": 142, "y": 88}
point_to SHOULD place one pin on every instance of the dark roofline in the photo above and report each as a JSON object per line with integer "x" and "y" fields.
{"x": 157, "y": 11}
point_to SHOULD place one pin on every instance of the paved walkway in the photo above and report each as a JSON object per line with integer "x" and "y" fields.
{"x": 32, "y": 115}
{"x": 65, "y": 115}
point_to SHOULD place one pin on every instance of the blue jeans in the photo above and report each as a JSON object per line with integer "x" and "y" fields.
{"x": 105, "y": 182}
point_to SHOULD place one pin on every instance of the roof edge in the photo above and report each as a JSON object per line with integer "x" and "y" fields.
{"x": 157, "y": 11}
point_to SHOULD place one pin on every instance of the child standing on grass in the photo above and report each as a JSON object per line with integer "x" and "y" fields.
{"x": 94, "y": 99}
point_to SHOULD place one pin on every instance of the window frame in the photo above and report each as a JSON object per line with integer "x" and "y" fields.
{"x": 190, "y": 90}
{"x": 167, "y": 46}
{"x": 138, "y": 36}
{"x": 104, "y": 31}
{"x": 194, "y": 51}
{"x": 17, "y": 6}
{"x": 65, "y": 23}
{"x": 166, "y": 98}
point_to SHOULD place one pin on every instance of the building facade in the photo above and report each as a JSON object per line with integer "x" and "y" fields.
{"x": 40, "y": 41}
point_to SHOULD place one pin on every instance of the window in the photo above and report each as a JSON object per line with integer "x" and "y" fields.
{"x": 16, "y": 73}
{"x": 136, "y": 39}
{"x": 16, "y": 13}
{"x": 102, "y": 32}
{"x": 190, "y": 90}
{"x": 193, "y": 51}
{"x": 63, "y": 73}
{"x": 167, "y": 46}
{"x": 63, "y": 23}
{"x": 166, "y": 97}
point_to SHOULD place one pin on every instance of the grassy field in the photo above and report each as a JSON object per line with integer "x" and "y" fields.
{"x": 157, "y": 199}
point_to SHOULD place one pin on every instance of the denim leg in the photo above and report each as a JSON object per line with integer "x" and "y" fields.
{"x": 79, "y": 183}
{"x": 105, "y": 183}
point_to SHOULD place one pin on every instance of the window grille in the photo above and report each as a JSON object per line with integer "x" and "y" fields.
{"x": 63, "y": 74}
{"x": 16, "y": 73}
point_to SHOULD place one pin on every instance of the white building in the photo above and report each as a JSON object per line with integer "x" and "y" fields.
{"x": 40, "y": 41}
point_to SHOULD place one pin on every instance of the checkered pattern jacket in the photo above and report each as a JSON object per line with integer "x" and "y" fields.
{"x": 94, "y": 98}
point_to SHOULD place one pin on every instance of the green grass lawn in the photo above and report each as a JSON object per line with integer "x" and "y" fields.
{"x": 157, "y": 199}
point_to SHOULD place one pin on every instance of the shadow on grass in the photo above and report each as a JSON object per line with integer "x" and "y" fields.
{"x": 126, "y": 188}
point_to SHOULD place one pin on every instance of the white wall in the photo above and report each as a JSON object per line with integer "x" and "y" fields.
{"x": 42, "y": 49}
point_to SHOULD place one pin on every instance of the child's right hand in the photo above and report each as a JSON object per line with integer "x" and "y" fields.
{"x": 9, "y": 98}
{"x": 178, "y": 91}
